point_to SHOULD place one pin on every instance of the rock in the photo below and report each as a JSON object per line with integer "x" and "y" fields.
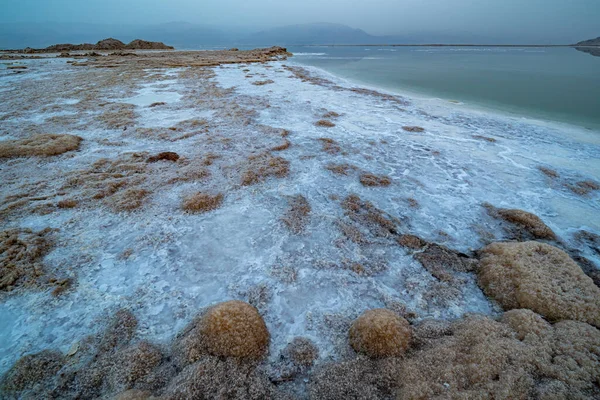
{"x": 109, "y": 44}
{"x": 139, "y": 44}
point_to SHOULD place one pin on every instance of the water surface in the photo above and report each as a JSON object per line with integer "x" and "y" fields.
{"x": 557, "y": 84}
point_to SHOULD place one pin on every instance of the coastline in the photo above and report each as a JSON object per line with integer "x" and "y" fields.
{"x": 440, "y": 90}
{"x": 482, "y": 107}
{"x": 228, "y": 124}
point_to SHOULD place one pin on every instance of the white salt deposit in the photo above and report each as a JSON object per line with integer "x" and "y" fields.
{"x": 182, "y": 263}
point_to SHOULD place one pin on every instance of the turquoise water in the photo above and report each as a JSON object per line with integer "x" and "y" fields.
{"x": 556, "y": 84}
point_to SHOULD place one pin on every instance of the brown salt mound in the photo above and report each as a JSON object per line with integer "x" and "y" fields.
{"x": 368, "y": 179}
{"x": 302, "y": 352}
{"x": 380, "y": 333}
{"x": 324, "y": 123}
{"x": 164, "y": 156}
{"x": 263, "y": 166}
{"x": 42, "y": 145}
{"x": 21, "y": 254}
{"x": 413, "y": 129}
{"x": 541, "y": 278}
{"x": 31, "y": 369}
{"x": 217, "y": 378}
{"x": 297, "y": 215}
{"x": 202, "y": 202}
{"x": 526, "y": 224}
{"x": 234, "y": 329}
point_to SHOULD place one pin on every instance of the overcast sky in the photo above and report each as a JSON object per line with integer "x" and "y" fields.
{"x": 562, "y": 20}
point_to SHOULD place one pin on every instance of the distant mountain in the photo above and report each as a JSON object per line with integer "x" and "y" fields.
{"x": 591, "y": 42}
{"x": 178, "y": 34}
{"x": 184, "y": 35}
{"x": 318, "y": 33}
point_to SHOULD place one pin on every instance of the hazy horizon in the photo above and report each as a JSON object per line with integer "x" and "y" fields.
{"x": 537, "y": 21}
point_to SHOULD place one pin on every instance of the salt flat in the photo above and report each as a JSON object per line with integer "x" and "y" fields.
{"x": 127, "y": 243}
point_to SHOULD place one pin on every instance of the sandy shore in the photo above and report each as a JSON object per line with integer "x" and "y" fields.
{"x": 202, "y": 177}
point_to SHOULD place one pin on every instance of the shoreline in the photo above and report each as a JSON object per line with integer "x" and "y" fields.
{"x": 490, "y": 107}
{"x": 483, "y": 108}
{"x": 444, "y": 45}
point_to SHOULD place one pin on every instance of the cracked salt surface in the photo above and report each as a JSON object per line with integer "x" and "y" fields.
{"x": 182, "y": 263}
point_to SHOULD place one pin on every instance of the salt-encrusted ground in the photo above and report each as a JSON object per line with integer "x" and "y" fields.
{"x": 166, "y": 265}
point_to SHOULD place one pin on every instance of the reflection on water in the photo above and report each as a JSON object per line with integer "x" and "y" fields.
{"x": 595, "y": 51}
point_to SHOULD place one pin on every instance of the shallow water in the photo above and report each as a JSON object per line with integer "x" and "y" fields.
{"x": 559, "y": 84}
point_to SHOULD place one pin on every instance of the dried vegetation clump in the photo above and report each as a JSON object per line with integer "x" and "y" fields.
{"x": 413, "y": 129}
{"x": 286, "y": 145}
{"x": 118, "y": 183}
{"x": 95, "y": 366}
{"x": 583, "y": 188}
{"x": 482, "y": 358}
{"x": 479, "y": 359}
{"x": 294, "y": 361}
{"x": 164, "y": 156}
{"x": 21, "y": 255}
{"x": 541, "y": 278}
{"x": 330, "y": 146}
{"x": 234, "y": 329}
{"x": 216, "y": 378}
{"x": 262, "y": 83}
{"x": 302, "y": 352}
{"x": 361, "y": 378}
{"x": 117, "y": 116}
{"x": 380, "y": 333}
{"x": 341, "y": 169}
{"x": 263, "y": 166}
{"x": 323, "y": 123}
{"x": 439, "y": 260}
{"x": 331, "y": 115}
{"x": 519, "y": 356}
{"x": 368, "y": 179}
{"x": 29, "y": 370}
{"x": 383, "y": 96}
{"x": 297, "y": 215}
{"x": 202, "y": 202}
{"x": 41, "y": 145}
{"x": 476, "y": 358}
{"x": 68, "y": 203}
{"x": 366, "y": 215}
{"x": 550, "y": 173}
{"x": 487, "y": 139}
{"x": 305, "y": 76}
{"x": 524, "y": 225}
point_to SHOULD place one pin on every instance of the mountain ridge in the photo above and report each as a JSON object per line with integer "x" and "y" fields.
{"x": 185, "y": 35}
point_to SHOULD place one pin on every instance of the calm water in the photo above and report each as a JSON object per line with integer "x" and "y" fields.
{"x": 559, "y": 84}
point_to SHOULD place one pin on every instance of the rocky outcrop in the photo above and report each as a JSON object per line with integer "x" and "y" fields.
{"x": 139, "y": 44}
{"x": 591, "y": 46}
{"x": 591, "y": 42}
{"x": 106, "y": 44}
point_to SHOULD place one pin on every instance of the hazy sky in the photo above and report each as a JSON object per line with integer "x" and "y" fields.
{"x": 564, "y": 20}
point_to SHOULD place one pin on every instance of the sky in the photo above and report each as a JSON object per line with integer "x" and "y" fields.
{"x": 560, "y": 20}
